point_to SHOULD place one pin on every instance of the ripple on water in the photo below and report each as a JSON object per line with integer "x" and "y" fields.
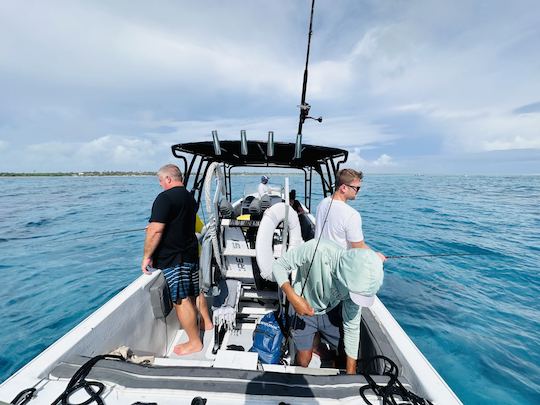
{"x": 474, "y": 317}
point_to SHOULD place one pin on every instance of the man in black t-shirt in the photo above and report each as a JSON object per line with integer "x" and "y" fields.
{"x": 171, "y": 246}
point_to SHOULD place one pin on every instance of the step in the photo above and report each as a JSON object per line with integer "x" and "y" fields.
{"x": 261, "y": 295}
{"x": 245, "y": 252}
{"x": 228, "y": 251}
{"x": 235, "y": 223}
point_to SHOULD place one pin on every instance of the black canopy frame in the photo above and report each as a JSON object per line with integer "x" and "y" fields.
{"x": 323, "y": 160}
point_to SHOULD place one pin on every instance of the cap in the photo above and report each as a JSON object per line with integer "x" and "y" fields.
{"x": 265, "y": 179}
{"x": 361, "y": 272}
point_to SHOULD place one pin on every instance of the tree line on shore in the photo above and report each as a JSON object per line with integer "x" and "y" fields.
{"x": 92, "y": 173}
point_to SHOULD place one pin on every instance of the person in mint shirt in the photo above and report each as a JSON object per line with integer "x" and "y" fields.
{"x": 339, "y": 284}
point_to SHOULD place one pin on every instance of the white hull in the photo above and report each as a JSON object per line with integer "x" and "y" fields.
{"x": 127, "y": 319}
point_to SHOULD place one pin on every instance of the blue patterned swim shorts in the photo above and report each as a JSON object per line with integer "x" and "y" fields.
{"x": 183, "y": 281}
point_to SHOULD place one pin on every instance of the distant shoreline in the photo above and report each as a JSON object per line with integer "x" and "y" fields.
{"x": 77, "y": 174}
{"x": 112, "y": 173}
{"x": 127, "y": 174}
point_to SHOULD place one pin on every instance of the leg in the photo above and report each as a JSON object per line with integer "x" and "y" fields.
{"x": 187, "y": 315}
{"x": 206, "y": 320}
{"x": 303, "y": 357}
{"x": 331, "y": 328}
{"x": 186, "y": 310}
{"x": 303, "y": 332}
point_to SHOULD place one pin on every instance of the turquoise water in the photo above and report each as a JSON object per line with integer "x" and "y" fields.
{"x": 476, "y": 318}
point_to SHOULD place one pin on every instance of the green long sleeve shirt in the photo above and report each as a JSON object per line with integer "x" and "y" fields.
{"x": 332, "y": 270}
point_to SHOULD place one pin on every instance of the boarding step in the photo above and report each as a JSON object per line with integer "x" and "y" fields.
{"x": 252, "y": 293}
{"x": 244, "y": 223}
{"x": 259, "y": 310}
{"x": 246, "y": 252}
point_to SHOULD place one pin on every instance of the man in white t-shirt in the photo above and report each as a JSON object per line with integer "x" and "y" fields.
{"x": 263, "y": 188}
{"x": 342, "y": 224}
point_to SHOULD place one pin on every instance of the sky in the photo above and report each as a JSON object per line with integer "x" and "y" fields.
{"x": 428, "y": 87}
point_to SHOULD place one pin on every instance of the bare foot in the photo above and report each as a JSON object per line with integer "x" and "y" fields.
{"x": 206, "y": 326}
{"x": 187, "y": 348}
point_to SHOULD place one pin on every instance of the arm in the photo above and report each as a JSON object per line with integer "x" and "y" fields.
{"x": 154, "y": 231}
{"x": 281, "y": 269}
{"x": 363, "y": 245}
{"x": 300, "y": 305}
{"x": 360, "y": 245}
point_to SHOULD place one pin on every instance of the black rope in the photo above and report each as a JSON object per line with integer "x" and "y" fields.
{"x": 392, "y": 389}
{"x": 93, "y": 388}
{"x": 23, "y": 397}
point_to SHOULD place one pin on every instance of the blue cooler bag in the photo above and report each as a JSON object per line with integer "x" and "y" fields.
{"x": 268, "y": 339}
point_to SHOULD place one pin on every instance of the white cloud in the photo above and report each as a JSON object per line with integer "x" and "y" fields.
{"x": 384, "y": 160}
{"x": 383, "y": 164}
{"x": 440, "y": 77}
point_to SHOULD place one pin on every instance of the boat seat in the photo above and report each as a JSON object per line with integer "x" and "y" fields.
{"x": 220, "y": 380}
{"x": 244, "y": 206}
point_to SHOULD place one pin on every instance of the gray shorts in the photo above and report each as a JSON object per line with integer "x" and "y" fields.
{"x": 329, "y": 325}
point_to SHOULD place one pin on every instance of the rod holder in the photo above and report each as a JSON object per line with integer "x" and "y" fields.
{"x": 217, "y": 146}
{"x": 270, "y": 144}
{"x": 243, "y": 143}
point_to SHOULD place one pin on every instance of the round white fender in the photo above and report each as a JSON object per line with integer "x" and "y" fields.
{"x": 272, "y": 217}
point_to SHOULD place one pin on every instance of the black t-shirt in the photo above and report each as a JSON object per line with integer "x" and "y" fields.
{"x": 176, "y": 208}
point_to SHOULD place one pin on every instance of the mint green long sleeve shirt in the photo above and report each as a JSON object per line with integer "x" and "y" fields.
{"x": 326, "y": 286}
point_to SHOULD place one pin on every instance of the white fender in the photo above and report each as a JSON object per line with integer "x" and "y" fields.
{"x": 265, "y": 236}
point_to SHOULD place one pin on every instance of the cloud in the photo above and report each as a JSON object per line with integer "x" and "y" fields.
{"x": 528, "y": 108}
{"x": 109, "y": 152}
{"x": 405, "y": 80}
{"x": 384, "y": 160}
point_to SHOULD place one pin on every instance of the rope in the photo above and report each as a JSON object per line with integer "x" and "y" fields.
{"x": 392, "y": 389}
{"x": 23, "y": 397}
{"x": 211, "y": 207}
{"x": 93, "y": 388}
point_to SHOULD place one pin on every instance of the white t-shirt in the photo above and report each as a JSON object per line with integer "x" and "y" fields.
{"x": 343, "y": 224}
{"x": 263, "y": 189}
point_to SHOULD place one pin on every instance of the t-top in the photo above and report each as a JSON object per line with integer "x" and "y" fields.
{"x": 343, "y": 224}
{"x": 176, "y": 208}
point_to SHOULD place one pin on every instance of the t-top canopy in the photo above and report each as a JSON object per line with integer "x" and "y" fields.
{"x": 312, "y": 156}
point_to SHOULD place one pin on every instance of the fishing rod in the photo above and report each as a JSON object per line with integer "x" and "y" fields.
{"x": 77, "y": 238}
{"x": 437, "y": 255}
{"x": 304, "y": 107}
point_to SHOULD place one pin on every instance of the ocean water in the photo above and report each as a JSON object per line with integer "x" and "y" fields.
{"x": 68, "y": 244}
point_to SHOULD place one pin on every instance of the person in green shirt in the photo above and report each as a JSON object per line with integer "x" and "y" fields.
{"x": 336, "y": 284}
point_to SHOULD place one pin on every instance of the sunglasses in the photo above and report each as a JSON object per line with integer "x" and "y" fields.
{"x": 355, "y": 188}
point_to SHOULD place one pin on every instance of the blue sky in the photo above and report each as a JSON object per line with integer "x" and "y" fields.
{"x": 405, "y": 86}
